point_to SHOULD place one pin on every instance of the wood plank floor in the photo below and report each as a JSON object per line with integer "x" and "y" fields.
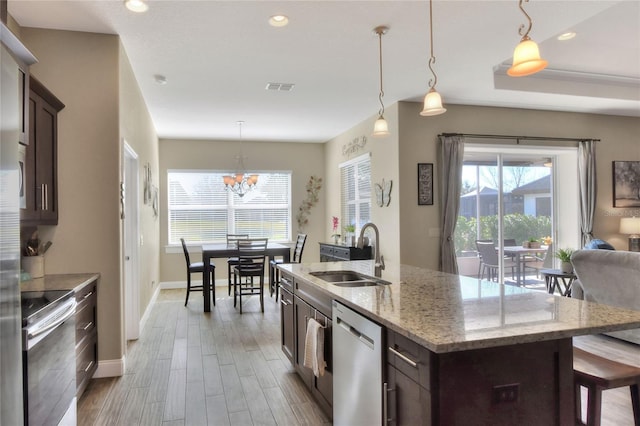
{"x": 223, "y": 368}
{"x": 191, "y": 368}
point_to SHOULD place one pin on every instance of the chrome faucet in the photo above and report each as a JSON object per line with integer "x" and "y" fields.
{"x": 379, "y": 260}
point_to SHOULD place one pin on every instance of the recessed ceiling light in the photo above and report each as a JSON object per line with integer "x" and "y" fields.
{"x": 138, "y": 6}
{"x": 160, "y": 79}
{"x": 566, "y": 36}
{"x": 278, "y": 20}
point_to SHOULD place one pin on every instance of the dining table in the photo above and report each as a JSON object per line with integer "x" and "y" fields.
{"x": 224, "y": 250}
{"x": 518, "y": 252}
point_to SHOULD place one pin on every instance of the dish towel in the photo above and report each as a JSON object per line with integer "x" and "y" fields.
{"x": 314, "y": 348}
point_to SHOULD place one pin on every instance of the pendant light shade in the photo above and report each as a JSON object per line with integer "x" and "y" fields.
{"x": 526, "y": 59}
{"x": 432, "y": 100}
{"x": 432, "y": 104}
{"x": 380, "y": 127}
{"x": 526, "y": 56}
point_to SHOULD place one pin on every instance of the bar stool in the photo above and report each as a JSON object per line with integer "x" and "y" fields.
{"x": 596, "y": 374}
{"x": 274, "y": 273}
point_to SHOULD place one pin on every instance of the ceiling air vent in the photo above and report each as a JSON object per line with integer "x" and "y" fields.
{"x": 280, "y": 87}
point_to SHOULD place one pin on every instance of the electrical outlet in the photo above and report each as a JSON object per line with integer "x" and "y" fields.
{"x": 505, "y": 393}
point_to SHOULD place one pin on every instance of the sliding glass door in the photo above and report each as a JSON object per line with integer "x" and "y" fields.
{"x": 508, "y": 214}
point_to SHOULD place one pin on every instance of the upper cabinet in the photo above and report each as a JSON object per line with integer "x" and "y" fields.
{"x": 40, "y": 165}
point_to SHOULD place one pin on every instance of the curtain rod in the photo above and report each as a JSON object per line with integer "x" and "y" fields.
{"x": 518, "y": 138}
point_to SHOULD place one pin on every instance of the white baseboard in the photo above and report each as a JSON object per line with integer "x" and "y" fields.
{"x": 147, "y": 311}
{"x": 110, "y": 368}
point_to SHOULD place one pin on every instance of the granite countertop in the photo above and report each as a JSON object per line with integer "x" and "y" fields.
{"x": 73, "y": 282}
{"x": 448, "y": 313}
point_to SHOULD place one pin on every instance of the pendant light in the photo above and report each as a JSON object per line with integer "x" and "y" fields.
{"x": 380, "y": 128}
{"x": 432, "y": 100}
{"x": 240, "y": 182}
{"x": 526, "y": 56}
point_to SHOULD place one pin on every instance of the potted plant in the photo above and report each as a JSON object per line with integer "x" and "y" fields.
{"x": 564, "y": 255}
{"x": 334, "y": 225}
{"x": 532, "y": 242}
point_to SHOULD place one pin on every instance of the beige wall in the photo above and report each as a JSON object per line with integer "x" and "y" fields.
{"x": 137, "y": 129}
{"x": 384, "y": 165}
{"x": 91, "y": 75}
{"x": 303, "y": 159}
{"x": 418, "y": 137}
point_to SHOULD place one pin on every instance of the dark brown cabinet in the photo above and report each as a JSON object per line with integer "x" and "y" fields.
{"x": 40, "y": 168}
{"x": 86, "y": 335}
{"x": 287, "y": 327}
{"x": 337, "y": 253}
{"x": 408, "y": 400}
{"x": 307, "y": 303}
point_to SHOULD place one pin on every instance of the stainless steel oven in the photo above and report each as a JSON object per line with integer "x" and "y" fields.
{"x": 48, "y": 353}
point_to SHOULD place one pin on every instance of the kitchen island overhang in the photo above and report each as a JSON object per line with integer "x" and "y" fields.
{"x": 448, "y": 313}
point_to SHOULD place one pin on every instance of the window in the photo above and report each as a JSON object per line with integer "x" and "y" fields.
{"x": 355, "y": 181}
{"x": 201, "y": 210}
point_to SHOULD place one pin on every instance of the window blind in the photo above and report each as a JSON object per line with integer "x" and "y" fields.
{"x": 355, "y": 182}
{"x": 201, "y": 210}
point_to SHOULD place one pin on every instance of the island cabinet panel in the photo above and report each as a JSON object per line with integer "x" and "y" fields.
{"x": 535, "y": 385}
{"x": 408, "y": 403}
{"x": 287, "y": 325}
{"x": 478, "y": 386}
{"x": 86, "y": 335}
{"x": 303, "y": 302}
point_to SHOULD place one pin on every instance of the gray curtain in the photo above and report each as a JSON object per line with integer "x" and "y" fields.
{"x": 450, "y": 156}
{"x": 587, "y": 181}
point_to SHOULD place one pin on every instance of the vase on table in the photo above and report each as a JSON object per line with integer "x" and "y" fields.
{"x": 566, "y": 267}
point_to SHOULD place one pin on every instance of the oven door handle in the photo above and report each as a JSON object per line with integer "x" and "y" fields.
{"x": 71, "y": 311}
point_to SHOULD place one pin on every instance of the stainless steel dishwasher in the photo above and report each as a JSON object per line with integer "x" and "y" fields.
{"x": 357, "y": 368}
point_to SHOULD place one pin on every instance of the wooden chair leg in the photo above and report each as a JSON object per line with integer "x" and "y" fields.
{"x": 262, "y": 293}
{"x": 188, "y": 287}
{"x": 635, "y": 403}
{"x": 212, "y": 283}
{"x": 594, "y": 406}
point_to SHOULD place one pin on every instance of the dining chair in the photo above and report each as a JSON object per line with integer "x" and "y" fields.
{"x": 233, "y": 261}
{"x": 490, "y": 262}
{"x": 536, "y": 263}
{"x": 197, "y": 267}
{"x": 252, "y": 253}
{"x": 274, "y": 273}
{"x": 480, "y": 256}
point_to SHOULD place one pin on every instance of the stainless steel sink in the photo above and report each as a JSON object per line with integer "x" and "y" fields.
{"x": 361, "y": 283}
{"x": 337, "y": 276}
{"x": 348, "y": 279}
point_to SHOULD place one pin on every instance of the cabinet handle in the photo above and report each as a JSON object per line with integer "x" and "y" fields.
{"x": 46, "y": 196}
{"x": 284, "y": 302}
{"x": 86, "y": 370}
{"x": 88, "y": 295}
{"x": 88, "y": 326}
{"x": 42, "y": 197}
{"x": 409, "y": 361}
{"x": 385, "y": 404}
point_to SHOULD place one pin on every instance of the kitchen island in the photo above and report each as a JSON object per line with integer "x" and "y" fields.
{"x": 459, "y": 350}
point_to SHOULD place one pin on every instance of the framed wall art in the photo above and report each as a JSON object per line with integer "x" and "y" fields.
{"x": 626, "y": 183}
{"x": 425, "y": 184}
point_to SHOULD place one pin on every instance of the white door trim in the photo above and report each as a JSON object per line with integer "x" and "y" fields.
{"x": 131, "y": 241}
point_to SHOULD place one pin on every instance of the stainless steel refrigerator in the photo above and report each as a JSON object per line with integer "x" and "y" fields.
{"x": 11, "y": 405}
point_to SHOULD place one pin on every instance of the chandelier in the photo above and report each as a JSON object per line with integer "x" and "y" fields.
{"x": 240, "y": 182}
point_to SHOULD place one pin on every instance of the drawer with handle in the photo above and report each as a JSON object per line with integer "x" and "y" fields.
{"x": 409, "y": 357}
